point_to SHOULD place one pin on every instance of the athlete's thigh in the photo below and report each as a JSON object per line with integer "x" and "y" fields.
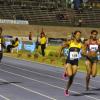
{"x": 88, "y": 66}
{"x": 74, "y": 67}
{"x": 94, "y": 69}
{"x": 69, "y": 69}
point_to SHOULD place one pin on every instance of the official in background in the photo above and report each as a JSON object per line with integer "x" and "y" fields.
{"x": 14, "y": 44}
{"x": 30, "y": 36}
{"x": 43, "y": 43}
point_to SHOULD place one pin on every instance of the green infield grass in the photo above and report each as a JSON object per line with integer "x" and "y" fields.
{"x": 52, "y": 57}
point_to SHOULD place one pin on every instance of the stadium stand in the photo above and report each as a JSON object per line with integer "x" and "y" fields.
{"x": 48, "y": 12}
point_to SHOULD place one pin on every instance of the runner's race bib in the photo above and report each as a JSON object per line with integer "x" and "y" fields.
{"x": 74, "y": 55}
{"x": 93, "y": 47}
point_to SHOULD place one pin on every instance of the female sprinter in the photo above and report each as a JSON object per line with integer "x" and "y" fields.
{"x": 93, "y": 45}
{"x": 75, "y": 46}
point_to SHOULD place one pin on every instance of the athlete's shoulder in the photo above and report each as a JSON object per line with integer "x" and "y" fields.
{"x": 69, "y": 41}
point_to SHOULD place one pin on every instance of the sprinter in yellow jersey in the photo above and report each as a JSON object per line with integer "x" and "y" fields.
{"x": 75, "y": 46}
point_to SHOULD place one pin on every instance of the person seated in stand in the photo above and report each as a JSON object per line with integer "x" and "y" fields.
{"x": 14, "y": 44}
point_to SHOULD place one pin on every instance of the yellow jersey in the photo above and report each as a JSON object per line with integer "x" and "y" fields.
{"x": 43, "y": 40}
{"x": 72, "y": 44}
{"x": 16, "y": 44}
{"x": 74, "y": 49}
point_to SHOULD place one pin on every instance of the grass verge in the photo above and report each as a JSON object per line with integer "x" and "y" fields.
{"x": 52, "y": 58}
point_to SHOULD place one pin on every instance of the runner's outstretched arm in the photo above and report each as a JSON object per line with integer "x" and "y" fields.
{"x": 66, "y": 44}
{"x": 84, "y": 50}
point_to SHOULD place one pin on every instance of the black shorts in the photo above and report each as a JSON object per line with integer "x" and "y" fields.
{"x": 92, "y": 59}
{"x": 43, "y": 46}
{"x": 72, "y": 62}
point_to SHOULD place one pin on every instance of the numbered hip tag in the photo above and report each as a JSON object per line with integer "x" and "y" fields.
{"x": 66, "y": 50}
{"x": 73, "y": 55}
{"x": 93, "y": 47}
{"x": 98, "y": 55}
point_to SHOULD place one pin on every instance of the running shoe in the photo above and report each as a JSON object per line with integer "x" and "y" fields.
{"x": 66, "y": 93}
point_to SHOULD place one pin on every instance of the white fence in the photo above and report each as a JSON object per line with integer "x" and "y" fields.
{"x": 6, "y": 21}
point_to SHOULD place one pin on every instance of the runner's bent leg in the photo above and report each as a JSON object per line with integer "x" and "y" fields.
{"x": 71, "y": 77}
{"x": 89, "y": 70}
{"x": 94, "y": 69}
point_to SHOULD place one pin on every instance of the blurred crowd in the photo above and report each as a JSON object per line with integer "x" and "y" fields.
{"x": 77, "y": 4}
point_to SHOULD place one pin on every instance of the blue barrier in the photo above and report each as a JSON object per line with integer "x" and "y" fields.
{"x": 29, "y": 47}
{"x": 24, "y": 46}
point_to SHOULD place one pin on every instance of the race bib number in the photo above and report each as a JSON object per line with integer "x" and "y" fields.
{"x": 93, "y": 47}
{"x": 0, "y": 47}
{"x": 73, "y": 55}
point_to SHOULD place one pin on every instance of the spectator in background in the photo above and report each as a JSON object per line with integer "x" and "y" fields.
{"x": 85, "y": 3}
{"x": 37, "y": 42}
{"x": 91, "y": 3}
{"x": 30, "y": 36}
{"x": 80, "y": 22}
{"x": 77, "y": 4}
{"x": 71, "y": 3}
{"x": 43, "y": 42}
{"x": 14, "y": 44}
{"x": 59, "y": 16}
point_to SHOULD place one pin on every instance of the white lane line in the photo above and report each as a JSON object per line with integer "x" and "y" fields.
{"x": 46, "y": 75}
{"x": 4, "y": 97}
{"x": 29, "y": 90}
{"x": 95, "y": 81}
{"x": 92, "y": 97}
{"x": 46, "y": 65}
{"x": 51, "y": 66}
{"x": 58, "y": 72}
{"x": 46, "y": 84}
